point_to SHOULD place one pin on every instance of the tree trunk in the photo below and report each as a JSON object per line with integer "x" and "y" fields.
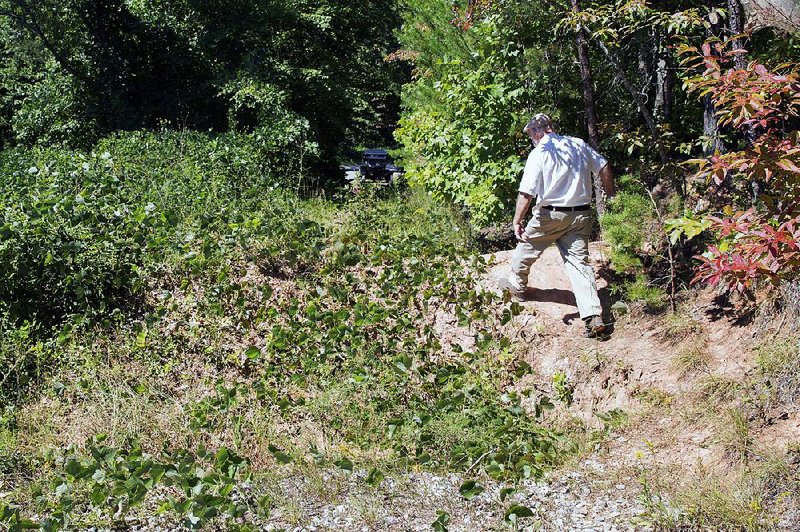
{"x": 713, "y": 143}
{"x": 710, "y": 128}
{"x": 640, "y": 103}
{"x": 665, "y": 83}
{"x": 648, "y": 49}
{"x": 783, "y": 14}
{"x": 669, "y": 86}
{"x": 587, "y": 84}
{"x": 736, "y": 25}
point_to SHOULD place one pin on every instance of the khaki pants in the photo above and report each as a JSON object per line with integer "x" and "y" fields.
{"x": 570, "y": 231}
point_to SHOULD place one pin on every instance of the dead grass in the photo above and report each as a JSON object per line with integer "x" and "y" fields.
{"x": 750, "y": 498}
{"x": 692, "y": 357}
{"x": 779, "y": 369}
{"x": 718, "y": 389}
{"x": 655, "y": 397}
{"x": 747, "y": 497}
{"x": 734, "y": 435}
{"x": 680, "y": 325}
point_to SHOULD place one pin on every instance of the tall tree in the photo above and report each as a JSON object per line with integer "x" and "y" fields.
{"x": 711, "y": 131}
{"x": 665, "y": 80}
{"x": 587, "y": 85}
{"x": 214, "y": 64}
{"x": 736, "y": 25}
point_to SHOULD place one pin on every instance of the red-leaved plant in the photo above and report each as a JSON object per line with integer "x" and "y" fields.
{"x": 762, "y": 242}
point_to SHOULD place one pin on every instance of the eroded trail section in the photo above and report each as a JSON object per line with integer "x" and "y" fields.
{"x": 680, "y": 395}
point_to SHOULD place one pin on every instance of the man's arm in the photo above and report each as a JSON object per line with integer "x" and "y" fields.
{"x": 523, "y": 202}
{"x": 607, "y": 180}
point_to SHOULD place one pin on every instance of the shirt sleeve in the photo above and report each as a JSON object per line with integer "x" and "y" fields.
{"x": 596, "y": 161}
{"x": 531, "y": 176}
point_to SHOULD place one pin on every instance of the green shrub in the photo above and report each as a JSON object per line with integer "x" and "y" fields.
{"x": 627, "y": 225}
{"x": 22, "y": 359}
{"x": 78, "y": 230}
{"x": 68, "y": 241}
{"x": 53, "y": 112}
{"x": 653, "y": 297}
{"x": 113, "y": 481}
{"x": 466, "y": 140}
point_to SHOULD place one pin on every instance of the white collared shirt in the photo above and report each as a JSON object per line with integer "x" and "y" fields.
{"x": 559, "y": 171}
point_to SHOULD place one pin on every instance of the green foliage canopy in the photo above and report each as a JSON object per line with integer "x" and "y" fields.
{"x": 78, "y": 71}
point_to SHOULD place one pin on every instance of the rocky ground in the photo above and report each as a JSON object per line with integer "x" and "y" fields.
{"x": 562, "y": 502}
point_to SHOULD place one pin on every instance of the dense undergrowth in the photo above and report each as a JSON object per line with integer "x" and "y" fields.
{"x": 180, "y": 331}
{"x": 174, "y": 329}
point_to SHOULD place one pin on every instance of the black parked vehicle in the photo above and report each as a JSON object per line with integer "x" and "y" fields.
{"x": 376, "y": 165}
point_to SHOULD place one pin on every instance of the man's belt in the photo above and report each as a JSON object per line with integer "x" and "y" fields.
{"x": 567, "y": 209}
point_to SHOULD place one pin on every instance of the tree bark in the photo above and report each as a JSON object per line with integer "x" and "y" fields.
{"x": 711, "y": 128}
{"x": 669, "y": 85}
{"x": 783, "y": 14}
{"x": 736, "y": 25}
{"x": 710, "y": 124}
{"x": 648, "y": 53}
{"x": 587, "y": 83}
{"x": 665, "y": 83}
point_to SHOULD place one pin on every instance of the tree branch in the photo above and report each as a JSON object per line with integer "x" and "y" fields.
{"x": 31, "y": 24}
{"x": 643, "y": 110}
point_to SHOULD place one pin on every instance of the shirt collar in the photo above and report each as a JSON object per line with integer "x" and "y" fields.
{"x": 544, "y": 139}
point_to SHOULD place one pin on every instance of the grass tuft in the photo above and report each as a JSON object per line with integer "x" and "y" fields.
{"x": 692, "y": 357}
{"x": 734, "y": 435}
{"x": 778, "y": 365}
{"x": 680, "y": 325}
{"x": 653, "y": 297}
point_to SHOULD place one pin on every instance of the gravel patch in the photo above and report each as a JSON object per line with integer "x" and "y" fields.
{"x": 411, "y": 502}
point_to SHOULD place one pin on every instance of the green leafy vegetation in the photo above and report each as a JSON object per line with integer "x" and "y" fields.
{"x": 252, "y": 311}
{"x": 80, "y": 72}
{"x": 192, "y": 310}
{"x": 627, "y": 225}
{"x": 465, "y": 143}
{"x": 82, "y": 231}
{"x": 642, "y": 290}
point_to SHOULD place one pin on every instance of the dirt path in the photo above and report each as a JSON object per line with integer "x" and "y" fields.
{"x": 662, "y": 379}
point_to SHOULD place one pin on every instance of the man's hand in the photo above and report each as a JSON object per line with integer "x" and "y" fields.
{"x": 519, "y": 231}
{"x": 607, "y": 180}
{"x": 523, "y": 202}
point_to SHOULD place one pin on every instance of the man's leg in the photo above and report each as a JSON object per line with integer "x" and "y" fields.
{"x": 542, "y": 230}
{"x": 574, "y": 248}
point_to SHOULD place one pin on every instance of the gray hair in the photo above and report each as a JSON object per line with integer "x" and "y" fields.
{"x": 539, "y": 121}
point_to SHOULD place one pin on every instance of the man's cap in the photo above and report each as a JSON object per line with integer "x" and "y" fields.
{"x": 539, "y": 121}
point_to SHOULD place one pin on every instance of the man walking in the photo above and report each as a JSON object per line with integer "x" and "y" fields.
{"x": 559, "y": 173}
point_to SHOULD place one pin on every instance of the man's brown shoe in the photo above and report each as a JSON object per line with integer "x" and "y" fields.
{"x": 594, "y": 326}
